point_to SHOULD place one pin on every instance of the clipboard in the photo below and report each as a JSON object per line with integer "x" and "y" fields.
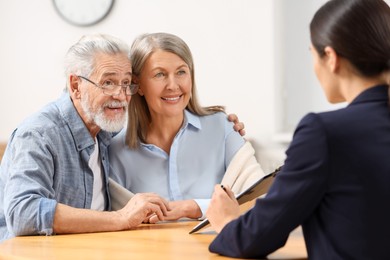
{"x": 257, "y": 189}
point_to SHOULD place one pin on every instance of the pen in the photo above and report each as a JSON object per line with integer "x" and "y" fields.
{"x": 258, "y": 188}
{"x": 205, "y": 222}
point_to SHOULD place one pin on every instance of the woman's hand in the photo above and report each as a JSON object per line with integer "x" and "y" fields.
{"x": 223, "y": 208}
{"x": 179, "y": 209}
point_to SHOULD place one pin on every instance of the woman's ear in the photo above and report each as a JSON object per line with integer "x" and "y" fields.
{"x": 135, "y": 80}
{"x": 140, "y": 92}
{"x": 333, "y": 59}
{"x": 74, "y": 87}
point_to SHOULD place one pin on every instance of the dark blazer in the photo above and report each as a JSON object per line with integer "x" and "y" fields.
{"x": 335, "y": 183}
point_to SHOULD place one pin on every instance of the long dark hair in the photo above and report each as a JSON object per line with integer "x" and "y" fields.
{"x": 358, "y": 30}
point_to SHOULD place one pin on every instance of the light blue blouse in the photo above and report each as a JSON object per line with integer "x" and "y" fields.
{"x": 198, "y": 159}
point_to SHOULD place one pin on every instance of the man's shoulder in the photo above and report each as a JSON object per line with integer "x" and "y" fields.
{"x": 46, "y": 119}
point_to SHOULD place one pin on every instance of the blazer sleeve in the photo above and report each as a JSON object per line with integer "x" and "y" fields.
{"x": 296, "y": 191}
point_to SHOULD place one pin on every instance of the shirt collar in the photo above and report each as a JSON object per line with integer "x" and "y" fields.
{"x": 191, "y": 119}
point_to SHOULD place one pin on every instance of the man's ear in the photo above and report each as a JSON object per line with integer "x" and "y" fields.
{"x": 134, "y": 79}
{"x": 333, "y": 59}
{"x": 74, "y": 87}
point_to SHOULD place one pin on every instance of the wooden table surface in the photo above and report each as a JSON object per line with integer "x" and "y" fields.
{"x": 153, "y": 241}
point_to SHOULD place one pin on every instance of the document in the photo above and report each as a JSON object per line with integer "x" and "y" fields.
{"x": 257, "y": 189}
{"x": 119, "y": 195}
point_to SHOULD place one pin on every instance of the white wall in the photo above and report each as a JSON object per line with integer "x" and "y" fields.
{"x": 231, "y": 40}
{"x": 300, "y": 89}
{"x": 250, "y": 55}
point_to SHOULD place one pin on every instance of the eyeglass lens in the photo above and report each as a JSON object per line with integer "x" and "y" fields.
{"x": 116, "y": 90}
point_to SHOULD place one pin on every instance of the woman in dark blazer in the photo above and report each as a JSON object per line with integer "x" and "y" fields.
{"x": 336, "y": 179}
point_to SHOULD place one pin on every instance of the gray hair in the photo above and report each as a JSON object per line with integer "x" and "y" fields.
{"x": 141, "y": 49}
{"x": 144, "y": 45}
{"x": 80, "y": 58}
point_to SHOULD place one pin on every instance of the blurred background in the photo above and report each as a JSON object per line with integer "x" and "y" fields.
{"x": 251, "y": 56}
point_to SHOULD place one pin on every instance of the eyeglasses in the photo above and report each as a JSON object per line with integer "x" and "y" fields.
{"x": 110, "y": 89}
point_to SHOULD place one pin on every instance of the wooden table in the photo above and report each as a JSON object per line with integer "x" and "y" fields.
{"x": 158, "y": 241}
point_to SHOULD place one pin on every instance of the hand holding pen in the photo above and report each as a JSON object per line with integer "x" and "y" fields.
{"x": 228, "y": 191}
{"x": 223, "y": 207}
{"x": 224, "y": 196}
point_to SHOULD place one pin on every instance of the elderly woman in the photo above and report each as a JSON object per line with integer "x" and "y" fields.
{"x": 173, "y": 146}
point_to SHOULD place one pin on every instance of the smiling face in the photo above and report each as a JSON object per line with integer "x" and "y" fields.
{"x": 98, "y": 110}
{"x": 165, "y": 82}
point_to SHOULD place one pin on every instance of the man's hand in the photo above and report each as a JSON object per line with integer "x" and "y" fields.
{"x": 141, "y": 207}
{"x": 238, "y": 126}
{"x": 223, "y": 208}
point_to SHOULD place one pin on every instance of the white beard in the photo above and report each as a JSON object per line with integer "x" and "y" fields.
{"x": 98, "y": 117}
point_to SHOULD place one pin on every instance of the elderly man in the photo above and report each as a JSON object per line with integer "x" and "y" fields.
{"x": 54, "y": 173}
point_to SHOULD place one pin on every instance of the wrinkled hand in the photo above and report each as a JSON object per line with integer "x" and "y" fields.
{"x": 238, "y": 126}
{"x": 223, "y": 208}
{"x": 180, "y": 209}
{"x": 141, "y": 207}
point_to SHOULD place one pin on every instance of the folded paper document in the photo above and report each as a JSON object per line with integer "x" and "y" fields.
{"x": 257, "y": 189}
{"x": 119, "y": 195}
